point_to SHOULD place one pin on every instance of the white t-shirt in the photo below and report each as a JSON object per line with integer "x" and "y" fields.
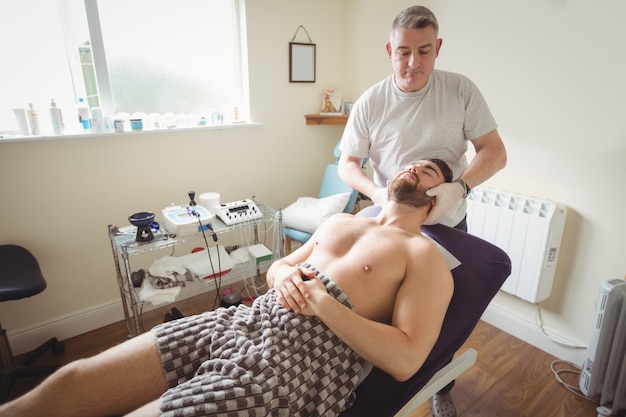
{"x": 394, "y": 128}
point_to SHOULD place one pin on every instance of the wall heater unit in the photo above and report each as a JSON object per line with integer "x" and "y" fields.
{"x": 603, "y": 376}
{"x": 528, "y": 229}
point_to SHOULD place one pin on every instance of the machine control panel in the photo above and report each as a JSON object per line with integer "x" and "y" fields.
{"x": 185, "y": 220}
{"x": 238, "y": 212}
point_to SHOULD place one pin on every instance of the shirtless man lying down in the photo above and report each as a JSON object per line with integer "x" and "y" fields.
{"x": 361, "y": 292}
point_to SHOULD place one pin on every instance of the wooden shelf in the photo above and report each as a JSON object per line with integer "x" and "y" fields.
{"x": 326, "y": 120}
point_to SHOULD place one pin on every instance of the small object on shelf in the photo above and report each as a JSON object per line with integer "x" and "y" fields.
{"x": 142, "y": 220}
{"x": 33, "y": 119}
{"x": 238, "y": 212}
{"x": 137, "y": 278}
{"x": 22, "y": 121}
{"x": 84, "y": 114}
{"x": 186, "y": 220}
{"x": 57, "y": 118}
{"x": 347, "y": 106}
{"x": 136, "y": 124}
{"x": 97, "y": 120}
{"x": 331, "y": 101}
{"x": 260, "y": 252}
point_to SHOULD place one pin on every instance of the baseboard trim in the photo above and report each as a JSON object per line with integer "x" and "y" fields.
{"x": 24, "y": 340}
{"x": 530, "y": 333}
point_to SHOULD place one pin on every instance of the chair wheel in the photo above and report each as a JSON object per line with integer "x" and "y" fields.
{"x": 58, "y": 347}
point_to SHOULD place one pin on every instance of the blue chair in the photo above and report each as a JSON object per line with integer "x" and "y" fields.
{"x": 331, "y": 185}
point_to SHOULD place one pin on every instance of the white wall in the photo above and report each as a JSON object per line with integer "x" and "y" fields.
{"x": 550, "y": 71}
{"x": 553, "y": 76}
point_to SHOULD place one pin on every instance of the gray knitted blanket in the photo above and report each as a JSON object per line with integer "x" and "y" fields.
{"x": 257, "y": 361}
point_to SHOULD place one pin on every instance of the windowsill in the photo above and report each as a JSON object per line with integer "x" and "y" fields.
{"x": 9, "y": 138}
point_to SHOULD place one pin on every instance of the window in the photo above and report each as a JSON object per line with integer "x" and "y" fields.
{"x": 151, "y": 56}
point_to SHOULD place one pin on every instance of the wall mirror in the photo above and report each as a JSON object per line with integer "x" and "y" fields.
{"x": 301, "y": 62}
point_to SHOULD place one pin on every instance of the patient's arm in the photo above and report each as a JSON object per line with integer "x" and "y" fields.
{"x": 399, "y": 348}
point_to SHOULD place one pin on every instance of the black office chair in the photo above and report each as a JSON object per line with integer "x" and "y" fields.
{"x": 21, "y": 277}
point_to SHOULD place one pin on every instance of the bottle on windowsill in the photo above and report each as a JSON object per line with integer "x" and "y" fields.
{"x": 96, "y": 119}
{"x": 84, "y": 114}
{"x": 57, "y": 118}
{"x": 33, "y": 119}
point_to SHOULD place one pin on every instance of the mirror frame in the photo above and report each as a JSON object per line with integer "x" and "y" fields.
{"x": 301, "y": 62}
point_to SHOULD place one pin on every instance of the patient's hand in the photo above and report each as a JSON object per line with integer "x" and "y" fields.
{"x": 290, "y": 288}
{"x": 315, "y": 290}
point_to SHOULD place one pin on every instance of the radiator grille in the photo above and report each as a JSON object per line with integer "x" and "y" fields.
{"x": 603, "y": 376}
{"x": 528, "y": 229}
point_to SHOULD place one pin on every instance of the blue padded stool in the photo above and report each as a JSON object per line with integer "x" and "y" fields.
{"x": 21, "y": 277}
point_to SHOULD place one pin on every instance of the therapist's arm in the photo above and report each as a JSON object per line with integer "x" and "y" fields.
{"x": 351, "y": 172}
{"x": 490, "y": 158}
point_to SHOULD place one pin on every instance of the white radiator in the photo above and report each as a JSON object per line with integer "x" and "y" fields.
{"x": 603, "y": 376}
{"x": 528, "y": 229}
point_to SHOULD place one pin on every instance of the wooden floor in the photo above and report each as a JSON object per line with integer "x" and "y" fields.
{"x": 510, "y": 378}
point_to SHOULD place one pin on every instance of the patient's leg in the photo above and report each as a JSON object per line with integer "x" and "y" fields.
{"x": 114, "y": 382}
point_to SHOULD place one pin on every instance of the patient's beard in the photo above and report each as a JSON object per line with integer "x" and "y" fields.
{"x": 404, "y": 191}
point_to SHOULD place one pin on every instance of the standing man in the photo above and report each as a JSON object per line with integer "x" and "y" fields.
{"x": 419, "y": 112}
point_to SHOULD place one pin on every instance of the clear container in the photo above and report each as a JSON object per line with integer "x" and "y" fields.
{"x": 56, "y": 116}
{"x": 33, "y": 119}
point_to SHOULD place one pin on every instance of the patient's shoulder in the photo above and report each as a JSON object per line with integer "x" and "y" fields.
{"x": 424, "y": 256}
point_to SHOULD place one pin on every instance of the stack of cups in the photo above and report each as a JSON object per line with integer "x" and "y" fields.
{"x": 210, "y": 201}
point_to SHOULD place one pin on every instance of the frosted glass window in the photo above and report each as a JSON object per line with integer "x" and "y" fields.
{"x": 166, "y": 56}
